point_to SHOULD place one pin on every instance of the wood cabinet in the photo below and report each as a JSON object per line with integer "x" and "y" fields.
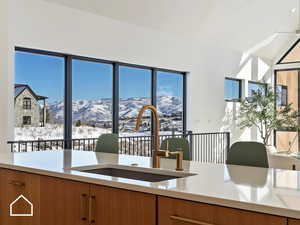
{"x": 2, "y": 208}
{"x": 112, "y": 206}
{"x": 293, "y": 222}
{"x": 63, "y": 202}
{"x": 13, "y": 185}
{"x": 180, "y": 212}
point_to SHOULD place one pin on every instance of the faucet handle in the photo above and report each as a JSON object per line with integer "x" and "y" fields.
{"x": 163, "y": 153}
{"x": 179, "y": 159}
{"x": 167, "y": 153}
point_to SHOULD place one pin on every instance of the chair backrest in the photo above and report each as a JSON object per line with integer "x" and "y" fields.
{"x": 248, "y": 154}
{"x": 108, "y": 143}
{"x": 177, "y": 144}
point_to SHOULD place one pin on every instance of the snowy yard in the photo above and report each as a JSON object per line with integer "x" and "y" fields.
{"x": 56, "y": 131}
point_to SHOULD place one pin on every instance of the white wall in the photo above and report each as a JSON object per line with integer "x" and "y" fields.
{"x": 48, "y": 26}
{"x": 6, "y": 77}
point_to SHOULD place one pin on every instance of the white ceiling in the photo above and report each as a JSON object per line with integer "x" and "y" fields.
{"x": 165, "y": 15}
{"x": 239, "y": 24}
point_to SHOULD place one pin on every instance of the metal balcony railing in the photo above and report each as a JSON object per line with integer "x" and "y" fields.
{"x": 203, "y": 147}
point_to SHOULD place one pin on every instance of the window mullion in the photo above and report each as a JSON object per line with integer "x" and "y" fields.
{"x": 153, "y": 94}
{"x": 184, "y": 110}
{"x": 68, "y": 103}
{"x": 115, "y": 98}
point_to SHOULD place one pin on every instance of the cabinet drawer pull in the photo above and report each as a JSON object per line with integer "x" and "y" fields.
{"x": 17, "y": 183}
{"x": 191, "y": 221}
{"x": 83, "y": 207}
{"x": 92, "y": 205}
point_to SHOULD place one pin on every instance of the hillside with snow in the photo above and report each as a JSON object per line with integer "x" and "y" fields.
{"x": 94, "y": 111}
{"x": 92, "y": 118}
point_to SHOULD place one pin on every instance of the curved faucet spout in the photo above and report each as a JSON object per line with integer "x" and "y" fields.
{"x": 154, "y": 113}
{"x": 156, "y": 142}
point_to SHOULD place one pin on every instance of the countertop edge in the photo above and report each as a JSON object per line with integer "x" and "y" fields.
{"x": 289, "y": 213}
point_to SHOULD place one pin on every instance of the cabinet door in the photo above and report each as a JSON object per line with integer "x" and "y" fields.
{"x": 180, "y": 212}
{"x": 112, "y": 206}
{"x": 15, "y": 184}
{"x": 63, "y": 202}
{"x": 293, "y": 222}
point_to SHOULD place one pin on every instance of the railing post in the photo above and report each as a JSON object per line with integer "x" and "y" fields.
{"x": 190, "y": 139}
{"x": 228, "y": 145}
{"x": 12, "y": 145}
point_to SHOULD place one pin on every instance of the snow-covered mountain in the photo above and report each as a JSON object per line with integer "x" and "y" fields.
{"x": 100, "y": 110}
{"x": 95, "y": 117}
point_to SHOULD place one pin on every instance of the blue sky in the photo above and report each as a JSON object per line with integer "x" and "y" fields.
{"x": 45, "y": 75}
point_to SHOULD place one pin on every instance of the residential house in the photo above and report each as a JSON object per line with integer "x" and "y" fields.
{"x": 28, "y": 111}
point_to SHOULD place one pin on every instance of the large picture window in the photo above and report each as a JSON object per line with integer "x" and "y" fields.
{"x": 39, "y": 96}
{"x": 135, "y": 92}
{"x": 287, "y": 93}
{"x": 170, "y": 101}
{"x": 292, "y": 55}
{"x": 80, "y": 97}
{"x": 92, "y": 98}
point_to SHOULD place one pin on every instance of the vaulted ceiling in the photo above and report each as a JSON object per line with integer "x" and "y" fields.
{"x": 240, "y": 24}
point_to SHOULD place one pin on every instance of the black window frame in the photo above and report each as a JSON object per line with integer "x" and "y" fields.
{"x": 26, "y": 119}
{"x": 240, "y": 90}
{"x": 258, "y": 83}
{"x": 116, "y": 64}
{"x": 27, "y": 103}
{"x": 286, "y": 54}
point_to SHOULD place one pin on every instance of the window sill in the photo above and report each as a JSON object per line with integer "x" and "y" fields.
{"x": 233, "y": 100}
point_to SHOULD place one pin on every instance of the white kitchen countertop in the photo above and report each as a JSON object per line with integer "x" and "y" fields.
{"x": 271, "y": 191}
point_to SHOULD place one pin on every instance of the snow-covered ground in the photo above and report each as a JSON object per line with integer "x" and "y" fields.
{"x": 52, "y": 131}
{"x": 55, "y": 131}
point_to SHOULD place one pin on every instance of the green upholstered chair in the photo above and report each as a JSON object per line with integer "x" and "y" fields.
{"x": 177, "y": 144}
{"x": 248, "y": 154}
{"x": 108, "y": 143}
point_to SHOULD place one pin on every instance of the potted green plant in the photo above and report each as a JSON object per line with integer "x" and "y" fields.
{"x": 260, "y": 111}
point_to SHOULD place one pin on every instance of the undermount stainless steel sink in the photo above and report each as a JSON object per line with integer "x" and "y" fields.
{"x": 135, "y": 173}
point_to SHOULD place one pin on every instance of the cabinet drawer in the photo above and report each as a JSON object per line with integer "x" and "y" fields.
{"x": 180, "y": 212}
{"x": 293, "y": 222}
